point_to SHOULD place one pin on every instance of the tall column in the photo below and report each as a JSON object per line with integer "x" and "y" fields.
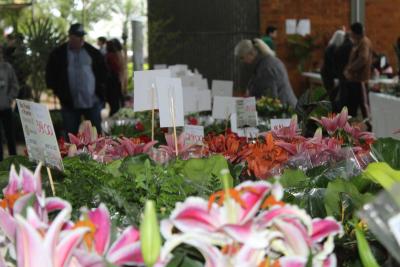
{"x": 358, "y": 11}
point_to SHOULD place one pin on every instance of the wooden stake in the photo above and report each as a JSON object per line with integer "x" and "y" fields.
{"x": 152, "y": 112}
{"x": 53, "y": 189}
{"x": 172, "y": 108}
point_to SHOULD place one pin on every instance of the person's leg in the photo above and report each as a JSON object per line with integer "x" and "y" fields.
{"x": 71, "y": 120}
{"x": 9, "y": 131}
{"x": 343, "y": 96}
{"x": 94, "y": 115}
{"x": 354, "y": 98}
{"x": 364, "y": 102}
{"x": 114, "y": 94}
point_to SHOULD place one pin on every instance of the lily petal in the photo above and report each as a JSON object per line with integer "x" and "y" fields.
{"x": 322, "y": 228}
{"x": 100, "y": 217}
{"x": 123, "y": 252}
{"x": 55, "y": 203}
{"x": 7, "y": 225}
{"x": 67, "y": 245}
{"x": 14, "y": 182}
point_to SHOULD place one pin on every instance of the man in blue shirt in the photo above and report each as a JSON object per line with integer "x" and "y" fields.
{"x": 77, "y": 74}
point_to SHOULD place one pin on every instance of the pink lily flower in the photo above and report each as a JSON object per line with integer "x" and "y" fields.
{"x": 301, "y": 234}
{"x": 20, "y": 190}
{"x": 169, "y": 150}
{"x": 39, "y": 244}
{"x": 124, "y": 251}
{"x": 289, "y": 133}
{"x": 333, "y": 123}
{"x": 197, "y": 215}
{"x": 86, "y": 135}
{"x": 357, "y": 134}
{"x": 130, "y": 149}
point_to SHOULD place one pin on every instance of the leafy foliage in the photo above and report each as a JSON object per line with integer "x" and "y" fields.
{"x": 126, "y": 184}
{"x": 387, "y": 150}
{"x": 42, "y": 36}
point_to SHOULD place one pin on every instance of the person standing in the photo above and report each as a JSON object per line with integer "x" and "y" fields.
{"x": 77, "y": 74}
{"x": 330, "y": 70}
{"x": 270, "y": 34}
{"x": 358, "y": 72}
{"x": 114, "y": 85}
{"x": 270, "y": 77}
{"x": 102, "y": 43}
{"x": 8, "y": 92}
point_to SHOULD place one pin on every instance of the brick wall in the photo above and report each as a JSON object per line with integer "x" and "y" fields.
{"x": 382, "y": 26}
{"x": 326, "y": 16}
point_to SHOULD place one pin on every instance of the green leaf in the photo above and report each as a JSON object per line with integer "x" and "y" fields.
{"x": 387, "y": 150}
{"x": 364, "y": 250}
{"x": 310, "y": 199}
{"x": 202, "y": 170}
{"x": 132, "y": 166}
{"x": 294, "y": 178}
{"x": 333, "y": 201}
{"x": 114, "y": 167}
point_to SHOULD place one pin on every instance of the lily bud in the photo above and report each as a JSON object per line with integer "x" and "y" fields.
{"x": 150, "y": 235}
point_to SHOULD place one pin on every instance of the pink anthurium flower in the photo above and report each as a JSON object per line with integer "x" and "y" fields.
{"x": 96, "y": 249}
{"x": 39, "y": 244}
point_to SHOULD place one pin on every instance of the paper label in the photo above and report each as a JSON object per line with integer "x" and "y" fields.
{"x": 204, "y": 100}
{"x": 145, "y": 93}
{"x": 170, "y": 100}
{"x": 40, "y": 138}
{"x": 246, "y": 112}
{"x": 223, "y": 107}
{"x": 279, "y": 123}
{"x": 194, "y": 134}
{"x": 222, "y": 88}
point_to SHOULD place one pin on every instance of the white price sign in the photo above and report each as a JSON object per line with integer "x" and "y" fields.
{"x": 170, "y": 100}
{"x": 40, "y": 138}
{"x": 246, "y": 112}
{"x": 194, "y": 134}
{"x": 279, "y": 123}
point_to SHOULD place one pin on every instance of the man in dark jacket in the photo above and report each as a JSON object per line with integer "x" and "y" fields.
{"x": 77, "y": 74}
{"x": 358, "y": 71}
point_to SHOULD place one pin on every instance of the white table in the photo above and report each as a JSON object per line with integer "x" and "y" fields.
{"x": 385, "y": 113}
{"x": 316, "y": 77}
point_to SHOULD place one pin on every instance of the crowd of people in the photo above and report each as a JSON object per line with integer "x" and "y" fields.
{"x": 83, "y": 78}
{"x": 349, "y": 63}
{"x": 350, "y": 60}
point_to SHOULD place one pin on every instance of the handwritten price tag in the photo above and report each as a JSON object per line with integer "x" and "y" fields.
{"x": 246, "y": 112}
{"x": 40, "y": 138}
{"x": 193, "y": 134}
{"x": 44, "y": 128}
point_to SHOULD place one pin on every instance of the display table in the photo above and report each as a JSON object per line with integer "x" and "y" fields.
{"x": 315, "y": 78}
{"x": 385, "y": 113}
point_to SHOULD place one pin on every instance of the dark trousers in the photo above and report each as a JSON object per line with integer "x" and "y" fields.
{"x": 7, "y": 119}
{"x": 354, "y": 96}
{"x": 72, "y": 118}
{"x": 114, "y": 94}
